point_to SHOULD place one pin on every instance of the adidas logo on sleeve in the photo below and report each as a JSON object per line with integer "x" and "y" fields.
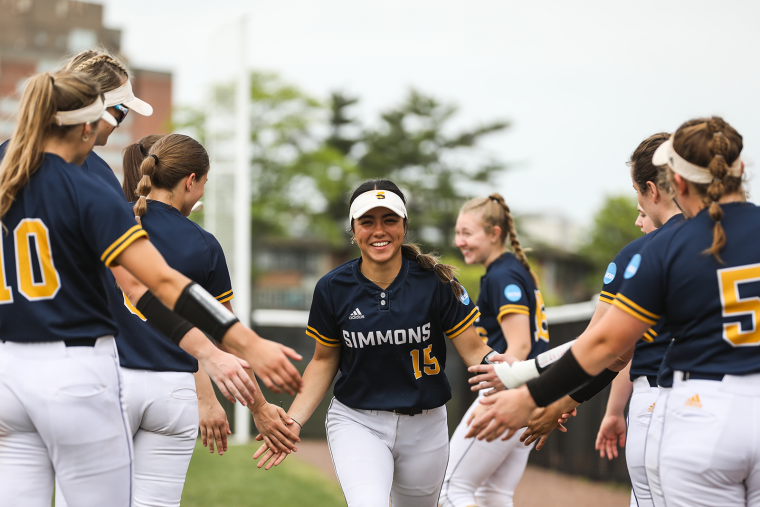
{"x": 356, "y": 314}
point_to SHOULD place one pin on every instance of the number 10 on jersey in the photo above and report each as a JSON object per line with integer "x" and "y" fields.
{"x": 431, "y": 366}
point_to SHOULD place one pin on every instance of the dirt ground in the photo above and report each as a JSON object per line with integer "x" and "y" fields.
{"x": 538, "y": 487}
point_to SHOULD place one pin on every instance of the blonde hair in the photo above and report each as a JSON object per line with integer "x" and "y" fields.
{"x": 171, "y": 159}
{"x": 714, "y": 144}
{"x": 106, "y": 68}
{"x": 45, "y": 94}
{"x": 495, "y": 212}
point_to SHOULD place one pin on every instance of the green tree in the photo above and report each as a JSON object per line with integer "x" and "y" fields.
{"x": 613, "y": 228}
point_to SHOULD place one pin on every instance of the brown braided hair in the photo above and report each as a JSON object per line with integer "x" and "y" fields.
{"x": 134, "y": 154}
{"x": 446, "y": 273}
{"x": 495, "y": 212}
{"x": 716, "y": 145}
{"x": 105, "y": 68}
{"x": 171, "y": 159}
{"x": 642, "y": 169}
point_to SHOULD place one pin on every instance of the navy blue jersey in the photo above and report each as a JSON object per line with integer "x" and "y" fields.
{"x": 507, "y": 287}
{"x": 393, "y": 341}
{"x": 63, "y": 230}
{"x": 649, "y": 351}
{"x": 96, "y": 166}
{"x": 711, "y": 307}
{"x": 193, "y": 252}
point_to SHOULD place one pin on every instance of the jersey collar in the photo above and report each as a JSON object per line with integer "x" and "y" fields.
{"x": 502, "y": 258}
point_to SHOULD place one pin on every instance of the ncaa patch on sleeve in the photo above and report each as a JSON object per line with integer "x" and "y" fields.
{"x": 512, "y": 292}
{"x": 633, "y": 267}
{"x": 610, "y": 274}
{"x": 464, "y": 298}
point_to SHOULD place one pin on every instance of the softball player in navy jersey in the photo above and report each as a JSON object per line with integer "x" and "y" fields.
{"x": 382, "y": 321}
{"x": 702, "y": 278}
{"x": 60, "y": 411}
{"x": 513, "y": 319}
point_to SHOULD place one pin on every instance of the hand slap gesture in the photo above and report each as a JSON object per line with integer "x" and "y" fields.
{"x": 508, "y": 410}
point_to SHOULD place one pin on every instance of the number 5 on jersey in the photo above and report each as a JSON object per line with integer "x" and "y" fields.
{"x": 31, "y": 231}
{"x": 734, "y": 305}
{"x": 431, "y": 364}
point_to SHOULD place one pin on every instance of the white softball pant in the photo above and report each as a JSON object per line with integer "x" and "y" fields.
{"x": 61, "y": 414}
{"x": 380, "y": 454}
{"x": 652, "y": 452}
{"x": 710, "y": 450}
{"x": 162, "y": 408}
{"x": 482, "y": 473}
{"x": 639, "y": 414}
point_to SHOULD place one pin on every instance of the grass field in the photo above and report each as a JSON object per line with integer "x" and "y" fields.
{"x": 233, "y": 480}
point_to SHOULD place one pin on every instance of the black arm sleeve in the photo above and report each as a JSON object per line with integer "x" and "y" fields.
{"x": 205, "y": 312}
{"x": 596, "y": 384}
{"x": 166, "y": 321}
{"x": 564, "y": 377}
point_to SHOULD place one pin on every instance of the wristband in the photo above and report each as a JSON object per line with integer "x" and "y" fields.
{"x": 517, "y": 374}
{"x": 298, "y": 423}
{"x": 596, "y": 384}
{"x": 564, "y": 377}
{"x": 486, "y": 360}
{"x": 205, "y": 312}
{"x": 551, "y": 356}
{"x": 159, "y": 316}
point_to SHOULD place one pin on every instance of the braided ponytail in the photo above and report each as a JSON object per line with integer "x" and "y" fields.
{"x": 445, "y": 272}
{"x": 714, "y": 144}
{"x": 134, "y": 154}
{"x": 495, "y": 212}
{"x": 144, "y": 186}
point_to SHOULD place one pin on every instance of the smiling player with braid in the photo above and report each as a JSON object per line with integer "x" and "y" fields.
{"x": 382, "y": 321}
{"x": 512, "y": 319}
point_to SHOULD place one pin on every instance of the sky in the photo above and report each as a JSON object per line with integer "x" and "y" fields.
{"x": 581, "y": 82}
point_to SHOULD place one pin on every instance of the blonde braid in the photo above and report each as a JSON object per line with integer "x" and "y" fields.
{"x": 510, "y": 230}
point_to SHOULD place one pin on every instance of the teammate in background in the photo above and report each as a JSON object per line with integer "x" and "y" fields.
{"x": 513, "y": 319}
{"x": 643, "y": 222}
{"x": 60, "y": 231}
{"x": 639, "y": 381}
{"x": 701, "y": 276}
{"x": 647, "y": 356}
{"x": 382, "y": 320}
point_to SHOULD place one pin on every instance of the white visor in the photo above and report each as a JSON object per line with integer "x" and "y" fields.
{"x": 87, "y": 114}
{"x": 108, "y": 118}
{"x": 666, "y": 155}
{"x": 123, "y": 95}
{"x": 377, "y": 199}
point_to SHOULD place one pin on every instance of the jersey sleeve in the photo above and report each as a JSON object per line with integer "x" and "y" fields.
{"x": 613, "y": 277}
{"x": 106, "y": 224}
{"x": 509, "y": 294}
{"x": 322, "y": 326}
{"x": 457, "y": 314}
{"x": 218, "y": 283}
{"x": 642, "y": 291}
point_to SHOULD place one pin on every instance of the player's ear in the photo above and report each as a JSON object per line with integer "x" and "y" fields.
{"x": 681, "y": 186}
{"x": 190, "y": 181}
{"x": 495, "y": 233}
{"x": 654, "y": 191}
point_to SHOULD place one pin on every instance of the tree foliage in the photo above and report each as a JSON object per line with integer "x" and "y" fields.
{"x": 613, "y": 229}
{"x": 308, "y": 155}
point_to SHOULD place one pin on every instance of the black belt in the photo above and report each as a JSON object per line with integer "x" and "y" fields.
{"x": 407, "y": 411}
{"x": 688, "y": 375}
{"x": 80, "y": 342}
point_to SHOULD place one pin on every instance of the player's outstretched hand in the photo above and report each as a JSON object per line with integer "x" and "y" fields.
{"x": 275, "y": 427}
{"x": 611, "y": 430}
{"x": 229, "y": 375}
{"x": 214, "y": 425}
{"x": 269, "y": 360}
{"x": 545, "y": 420}
{"x": 509, "y": 410}
{"x": 271, "y": 457}
{"x": 486, "y": 378}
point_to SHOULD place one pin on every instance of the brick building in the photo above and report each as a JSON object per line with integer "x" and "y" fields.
{"x": 37, "y": 35}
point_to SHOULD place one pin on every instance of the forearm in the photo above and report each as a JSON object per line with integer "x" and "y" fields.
{"x": 621, "y": 390}
{"x": 317, "y": 379}
{"x": 197, "y": 345}
{"x": 470, "y": 347}
{"x": 203, "y": 388}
